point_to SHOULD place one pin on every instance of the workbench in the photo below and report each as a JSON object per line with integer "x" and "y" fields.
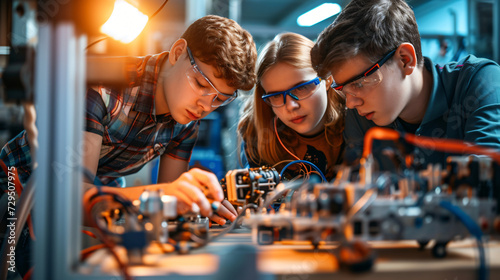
{"x": 235, "y": 256}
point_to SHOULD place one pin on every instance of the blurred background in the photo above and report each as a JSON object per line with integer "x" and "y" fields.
{"x": 450, "y": 29}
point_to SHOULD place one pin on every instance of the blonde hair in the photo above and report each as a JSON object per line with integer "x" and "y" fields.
{"x": 256, "y": 126}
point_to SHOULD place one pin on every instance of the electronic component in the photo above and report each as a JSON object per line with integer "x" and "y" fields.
{"x": 244, "y": 186}
{"x": 163, "y": 224}
{"x": 323, "y": 212}
{"x": 410, "y": 203}
{"x": 407, "y": 204}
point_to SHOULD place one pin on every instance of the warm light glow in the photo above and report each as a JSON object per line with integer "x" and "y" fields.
{"x": 318, "y": 14}
{"x": 148, "y": 226}
{"x": 125, "y": 23}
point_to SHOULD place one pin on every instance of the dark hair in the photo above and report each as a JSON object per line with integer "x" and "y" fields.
{"x": 369, "y": 27}
{"x": 225, "y": 45}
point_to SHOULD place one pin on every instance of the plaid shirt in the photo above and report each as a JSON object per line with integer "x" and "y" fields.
{"x": 132, "y": 134}
{"x": 16, "y": 153}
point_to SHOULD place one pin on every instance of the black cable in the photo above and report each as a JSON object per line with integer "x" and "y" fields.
{"x": 150, "y": 18}
{"x": 295, "y": 185}
{"x": 120, "y": 199}
{"x": 95, "y": 42}
{"x": 110, "y": 246}
{"x": 157, "y": 11}
{"x": 126, "y": 203}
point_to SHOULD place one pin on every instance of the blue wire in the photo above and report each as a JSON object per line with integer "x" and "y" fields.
{"x": 475, "y": 230}
{"x": 304, "y": 161}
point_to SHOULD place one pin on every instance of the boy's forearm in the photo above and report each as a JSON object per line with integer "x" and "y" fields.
{"x": 131, "y": 193}
{"x": 170, "y": 169}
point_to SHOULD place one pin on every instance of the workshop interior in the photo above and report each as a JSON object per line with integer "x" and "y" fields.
{"x": 418, "y": 220}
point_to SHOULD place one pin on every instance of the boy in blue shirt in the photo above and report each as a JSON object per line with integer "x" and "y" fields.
{"x": 374, "y": 53}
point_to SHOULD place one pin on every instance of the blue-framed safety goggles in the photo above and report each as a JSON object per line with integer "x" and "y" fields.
{"x": 298, "y": 92}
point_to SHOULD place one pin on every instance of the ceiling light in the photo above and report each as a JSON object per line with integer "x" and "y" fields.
{"x": 318, "y": 14}
{"x": 125, "y": 23}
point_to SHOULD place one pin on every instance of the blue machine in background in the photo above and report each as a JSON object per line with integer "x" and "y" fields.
{"x": 207, "y": 154}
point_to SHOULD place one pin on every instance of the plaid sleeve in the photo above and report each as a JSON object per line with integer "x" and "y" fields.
{"x": 16, "y": 153}
{"x": 95, "y": 112}
{"x": 181, "y": 146}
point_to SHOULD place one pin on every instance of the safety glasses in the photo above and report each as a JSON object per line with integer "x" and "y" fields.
{"x": 195, "y": 75}
{"x": 360, "y": 84}
{"x": 298, "y": 92}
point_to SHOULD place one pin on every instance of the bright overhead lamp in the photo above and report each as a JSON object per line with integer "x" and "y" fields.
{"x": 318, "y": 14}
{"x": 125, "y": 23}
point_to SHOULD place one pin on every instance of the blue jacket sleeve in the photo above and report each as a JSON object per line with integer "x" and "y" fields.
{"x": 482, "y": 104}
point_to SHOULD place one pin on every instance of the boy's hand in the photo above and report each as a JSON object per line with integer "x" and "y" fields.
{"x": 195, "y": 186}
{"x": 225, "y": 211}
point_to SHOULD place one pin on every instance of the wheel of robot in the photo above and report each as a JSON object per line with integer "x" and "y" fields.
{"x": 439, "y": 249}
{"x": 392, "y": 228}
{"x": 422, "y": 244}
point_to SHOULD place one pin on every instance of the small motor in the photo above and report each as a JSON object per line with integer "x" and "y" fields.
{"x": 245, "y": 186}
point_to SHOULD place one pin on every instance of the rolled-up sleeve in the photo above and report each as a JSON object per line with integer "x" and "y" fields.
{"x": 95, "y": 112}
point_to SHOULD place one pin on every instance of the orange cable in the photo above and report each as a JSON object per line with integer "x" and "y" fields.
{"x": 279, "y": 139}
{"x": 438, "y": 144}
{"x": 85, "y": 253}
{"x": 89, "y": 233}
{"x": 452, "y": 146}
{"x": 377, "y": 133}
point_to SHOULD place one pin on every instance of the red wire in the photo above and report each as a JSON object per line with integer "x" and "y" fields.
{"x": 17, "y": 182}
{"x": 27, "y": 276}
{"x": 89, "y": 233}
